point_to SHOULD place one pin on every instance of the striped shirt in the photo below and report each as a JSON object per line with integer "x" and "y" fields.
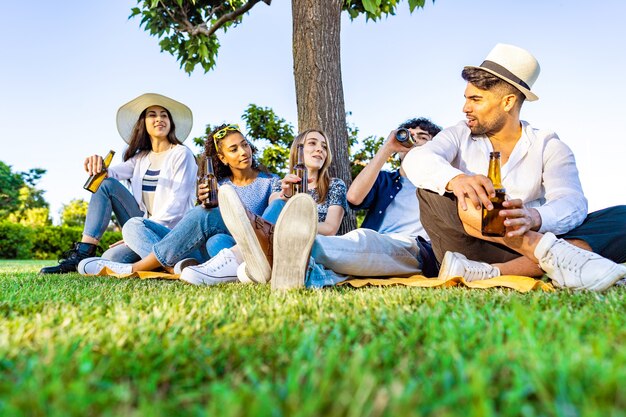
{"x": 150, "y": 180}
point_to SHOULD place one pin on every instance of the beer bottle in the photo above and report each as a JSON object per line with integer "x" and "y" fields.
{"x": 301, "y": 171}
{"x": 210, "y": 180}
{"x": 492, "y": 223}
{"x": 93, "y": 182}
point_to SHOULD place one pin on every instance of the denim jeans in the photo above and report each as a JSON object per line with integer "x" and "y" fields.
{"x": 111, "y": 197}
{"x": 367, "y": 253}
{"x": 187, "y": 240}
{"x": 222, "y": 241}
{"x": 122, "y": 253}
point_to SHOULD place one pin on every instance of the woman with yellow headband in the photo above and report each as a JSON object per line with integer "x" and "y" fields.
{"x": 329, "y": 194}
{"x": 234, "y": 164}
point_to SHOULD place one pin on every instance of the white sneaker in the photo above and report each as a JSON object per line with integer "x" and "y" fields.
{"x": 222, "y": 268}
{"x": 455, "y": 264}
{"x": 93, "y": 266}
{"x": 572, "y": 267}
{"x": 184, "y": 263}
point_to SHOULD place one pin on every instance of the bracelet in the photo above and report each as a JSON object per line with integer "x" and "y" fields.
{"x": 286, "y": 196}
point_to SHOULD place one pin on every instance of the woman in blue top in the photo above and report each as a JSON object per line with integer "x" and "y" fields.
{"x": 329, "y": 194}
{"x": 234, "y": 163}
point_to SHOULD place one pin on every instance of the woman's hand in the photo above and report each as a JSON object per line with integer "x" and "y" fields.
{"x": 94, "y": 164}
{"x": 286, "y": 183}
{"x": 203, "y": 192}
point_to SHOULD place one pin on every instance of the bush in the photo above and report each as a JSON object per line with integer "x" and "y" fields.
{"x": 44, "y": 242}
{"x": 16, "y": 241}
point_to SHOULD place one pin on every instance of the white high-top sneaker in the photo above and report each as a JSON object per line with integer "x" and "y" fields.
{"x": 455, "y": 264}
{"x": 572, "y": 267}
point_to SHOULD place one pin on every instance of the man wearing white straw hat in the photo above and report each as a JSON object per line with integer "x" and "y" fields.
{"x": 161, "y": 171}
{"x": 545, "y": 197}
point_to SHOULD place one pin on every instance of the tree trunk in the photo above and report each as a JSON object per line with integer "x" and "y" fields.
{"x": 319, "y": 89}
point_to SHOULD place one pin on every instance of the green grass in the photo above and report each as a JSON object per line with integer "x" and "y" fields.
{"x": 72, "y": 345}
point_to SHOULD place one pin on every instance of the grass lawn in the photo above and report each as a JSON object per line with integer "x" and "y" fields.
{"x": 78, "y": 346}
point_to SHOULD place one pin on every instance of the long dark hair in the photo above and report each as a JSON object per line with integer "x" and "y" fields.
{"x": 211, "y": 151}
{"x": 323, "y": 177}
{"x": 140, "y": 139}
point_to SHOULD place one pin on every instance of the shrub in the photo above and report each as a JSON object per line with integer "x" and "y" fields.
{"x": 15, "y": 241}
{"x": 44, "y": 242}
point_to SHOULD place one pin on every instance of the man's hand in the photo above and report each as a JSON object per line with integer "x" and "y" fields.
{"x": 519, "y": 219}
{"x": 477, "y": 188}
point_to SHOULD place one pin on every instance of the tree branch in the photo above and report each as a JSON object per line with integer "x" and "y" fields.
{"x": 203, "y": 28}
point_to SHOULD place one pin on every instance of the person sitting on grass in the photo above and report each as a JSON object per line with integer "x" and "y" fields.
{"x": 328, "y": 193}
{"x": 161, "y": 170}
{"x": 234, "y": 163}
{"x": 391, "y": 241}
{"x": 540, "y": 176}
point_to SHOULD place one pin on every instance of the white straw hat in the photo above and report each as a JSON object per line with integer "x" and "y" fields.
{"x": 514, "y": 65}
{"x": 128, "y": 114}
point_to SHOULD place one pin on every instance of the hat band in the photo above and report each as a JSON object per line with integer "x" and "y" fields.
{"x": 490, "y": 65}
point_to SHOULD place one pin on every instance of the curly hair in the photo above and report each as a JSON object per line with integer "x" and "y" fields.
{"x": 487, "y": 81}
{"x": 211, "y": 151}
{"x": 423, "y": 123}
{"x": 323, "y": 178}
{"x": 140, "y": 139}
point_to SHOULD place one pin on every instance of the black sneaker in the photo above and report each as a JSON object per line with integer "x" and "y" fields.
{"x": 68, "y": 262}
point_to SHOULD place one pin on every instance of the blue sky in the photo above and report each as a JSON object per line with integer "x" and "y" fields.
{"x": 67, "y": 67}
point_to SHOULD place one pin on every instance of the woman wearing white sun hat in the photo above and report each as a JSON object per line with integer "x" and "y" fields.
{"x": 161, "y": 170}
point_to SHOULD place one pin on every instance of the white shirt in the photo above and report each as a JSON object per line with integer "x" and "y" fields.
{"x": 175, "y": 193}
{"x": 403, "y": 214}
{"x": 541, "y": 171}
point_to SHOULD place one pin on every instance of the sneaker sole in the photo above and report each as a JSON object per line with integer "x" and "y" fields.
{"x": 239, "y": 226}
{"x": 445, "y": 266}
{"x": 178, "y": 268}
{"x": 80, "y": 268}
{"x": 294, "y": 235}
{"x": 197, "y": 278}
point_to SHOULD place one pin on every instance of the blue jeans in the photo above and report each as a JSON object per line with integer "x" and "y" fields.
{"x": 187, "y": 240}
{"x": 111, "y": 197}
{"x": 222, "y": 241}
{"x": 122, "y": 253}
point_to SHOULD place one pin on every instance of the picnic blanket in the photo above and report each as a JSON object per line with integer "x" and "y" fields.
{"x": 516, "y": 282}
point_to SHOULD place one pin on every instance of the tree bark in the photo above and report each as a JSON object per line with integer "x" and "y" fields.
{"x": 319, "y": 88}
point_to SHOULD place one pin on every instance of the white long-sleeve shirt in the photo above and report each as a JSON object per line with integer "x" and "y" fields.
{"x": 541, "y": 171}
{"x": 176, "y": 187}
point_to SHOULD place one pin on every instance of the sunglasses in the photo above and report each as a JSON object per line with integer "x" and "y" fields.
{"x": 223, "y": 132}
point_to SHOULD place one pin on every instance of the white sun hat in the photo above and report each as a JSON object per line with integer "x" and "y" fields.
{"x": 128, "y": 114}
{"x": 514, "y": 65}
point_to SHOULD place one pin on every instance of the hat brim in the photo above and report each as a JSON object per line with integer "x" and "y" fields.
{"x": 530, "y": 96}
{"x": 128, "y": 114}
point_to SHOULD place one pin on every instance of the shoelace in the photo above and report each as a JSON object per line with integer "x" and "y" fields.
{"x": 223, "y": 262}
{"x": 475, "y": 272}
{"x": 570, "y": 258}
